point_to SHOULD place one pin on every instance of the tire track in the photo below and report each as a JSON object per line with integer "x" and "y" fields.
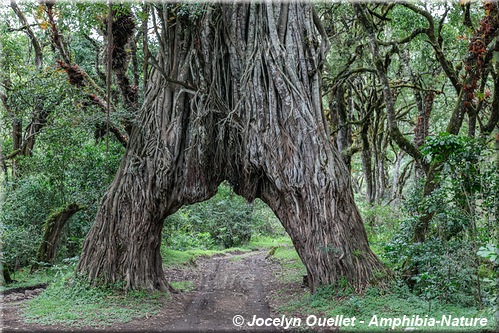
{"x": 232, "y": 285}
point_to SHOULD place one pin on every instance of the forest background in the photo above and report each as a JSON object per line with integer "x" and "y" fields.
{"x": 410, "y": 91}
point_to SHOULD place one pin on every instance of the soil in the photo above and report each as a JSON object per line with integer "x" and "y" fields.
{"x": 226, "y": 286}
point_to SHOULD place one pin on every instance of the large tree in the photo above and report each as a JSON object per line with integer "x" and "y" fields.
{"x": 235, "y": 95}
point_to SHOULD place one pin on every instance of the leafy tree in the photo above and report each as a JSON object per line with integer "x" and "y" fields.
{"x": 66, "y": 165}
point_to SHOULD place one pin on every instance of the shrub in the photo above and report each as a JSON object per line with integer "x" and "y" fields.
{"x": 19, "y": 246}
{"x": 227, "y": 218}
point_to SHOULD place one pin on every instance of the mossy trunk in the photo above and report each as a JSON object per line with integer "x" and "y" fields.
{"x": 53, "y": 228}
{"x": 6, "y": 279}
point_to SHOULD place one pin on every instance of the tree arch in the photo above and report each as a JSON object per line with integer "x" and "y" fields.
{"x": 235, "y": 95}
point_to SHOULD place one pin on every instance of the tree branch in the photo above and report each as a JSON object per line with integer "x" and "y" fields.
{"x": 56, "y": 37}
{"x": 494, "y": 117}
{"x": 30, "y": 33}
{"x": 405, "y": 40}
{"x": 430, "y": 32}
{"x": 395, "y": 133}
{"x": 155, "y": 64}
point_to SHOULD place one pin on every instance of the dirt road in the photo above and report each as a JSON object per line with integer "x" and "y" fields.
{"x": 226, "y": 286}
{"x": 232, "y": 286}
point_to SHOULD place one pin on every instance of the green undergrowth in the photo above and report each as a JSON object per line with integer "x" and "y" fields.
{"x": 69, "y": 301}
{"x": 173, "y": 258}
{"x": 395, "y": 302}
{"x": 267, "y": 242}
{"x": 44, "y": 275}
{"x": 376, "y": 304}
{"x": 183, "y": 286}
{"x": 73, "y": 302}
{"x": 24, "y": 279}
{"x": 292, "y": 268}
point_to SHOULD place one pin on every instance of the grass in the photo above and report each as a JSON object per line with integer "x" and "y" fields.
{"x": 341, "y": 300}
{"x": 44, "y": 275}
{"x": 330, "y": 302}
{"x": 172, "y": 258}
{"x": 183, "y": 286}
{"x": 25, "y": 279}
{"x": 72, "y": 302}
{"x": 293, "y": 269}
{"x": 178, "y": 258}
{"x": 267, "y": 242}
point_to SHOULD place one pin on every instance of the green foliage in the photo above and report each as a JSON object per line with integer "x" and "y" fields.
{"x": 45, "y": 275}
{"x": 384, "y": 221}
{"x": 69, "y": 165}
{"x": 226, "y": 220}
{"x": 259, "y": 242}
{"x": 446, "y": 269}
{"x": 66, "y": 166}
{"x": 331, "y": 301}
{"x": 490, "y": 253}
{"x": 183, "y": 241}
{"x": 452, "y": 148}
{"x": 75, "y": 173}
{"x": 19, "y": 246}
{"x": 190, "y": 11}
{"x": 468, "y": 186}
{"x": 176, "y": 258}
{"x": 461, "y": 206}
{"x": 72, "y": 301}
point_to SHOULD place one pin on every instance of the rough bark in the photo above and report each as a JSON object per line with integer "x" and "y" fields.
{"x": 422, "y": 128}
{"x": 255, "y": 119}
{"x": 396, "y": 183}
{"x": 53, "y": 228}
{"x": 380, "y": 169}
{"x": 38, "y": 122}
{"x": 17, "y": 131}
{"x": 145, "y": 45}
{"x": 368, "y": 173}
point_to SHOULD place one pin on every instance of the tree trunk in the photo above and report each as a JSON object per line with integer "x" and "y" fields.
{"x": 368, "y": 175}
{"x": 53, "y": 228}
{"x": 6, "y": 279}
{"x": 235, "y": 96}
{"x": 396, "y": 183}
{"x": 344, "y": 131}
{"x": 380, "y": 168}
{"x": 367, "y": 168}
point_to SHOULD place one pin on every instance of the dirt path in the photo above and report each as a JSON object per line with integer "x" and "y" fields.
{"x": 226, "y": 286}
{"x": 232, "y": 286}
